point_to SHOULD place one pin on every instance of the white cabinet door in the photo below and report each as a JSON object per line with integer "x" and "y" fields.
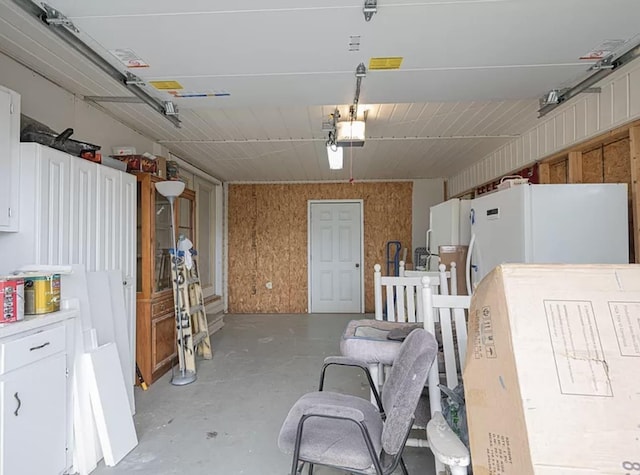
{"x": 128, "y": 251}
{"x": 108, "y": 236}
{"x": 9, "y": 159}
{"x": 53, "y": 218}
{"x": 33, "y": 424}
{"x": 84, "y": 191}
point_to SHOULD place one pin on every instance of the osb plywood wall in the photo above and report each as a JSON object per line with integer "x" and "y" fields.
{"x": 268, "y": 239}
{"x": 608, "y": 163}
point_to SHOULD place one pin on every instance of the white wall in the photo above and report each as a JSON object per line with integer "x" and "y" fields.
{"x": 55, "y": 107}
{"x": 426, "y": 193}
{"x": 581, "y": 118}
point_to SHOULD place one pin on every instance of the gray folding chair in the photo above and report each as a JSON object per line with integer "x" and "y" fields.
{"x": 351, "y": 433}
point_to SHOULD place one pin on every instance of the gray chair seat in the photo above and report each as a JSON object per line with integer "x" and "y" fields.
{"x": 367, "y": 340}
{"x": 331, "y": 441}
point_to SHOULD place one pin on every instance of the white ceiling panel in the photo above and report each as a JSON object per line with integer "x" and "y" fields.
{"x": 471, "y": 74}
{"x": 270, "y": 91}
{"x": 464, "y": 84}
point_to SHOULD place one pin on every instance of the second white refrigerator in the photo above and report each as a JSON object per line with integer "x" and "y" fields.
{"x": 568, "y": 224}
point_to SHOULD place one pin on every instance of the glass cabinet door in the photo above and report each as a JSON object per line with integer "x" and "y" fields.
{"x": 185, "y": 219}
{"x": 163, "y": 242}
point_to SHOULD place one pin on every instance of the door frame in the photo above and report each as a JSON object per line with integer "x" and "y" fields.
{"x": 357, "y": 201}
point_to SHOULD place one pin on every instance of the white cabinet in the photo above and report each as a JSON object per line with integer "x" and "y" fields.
{"x": 35, "y": 402}
{"x": 34, "y": 418}
{"x": 9, "y": 158}
{"x": 75, "y": 212}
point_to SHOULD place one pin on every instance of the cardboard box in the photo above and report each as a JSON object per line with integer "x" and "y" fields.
{"x": 138, "y": 163}
{"x": 162, "y": 167}
{"x": 41, "y": 294}
{"x": 457, "y": 254}
{"x": 123, "y": 150}
{"x": 552, "y": 376}
{"x": 11, "y": 299}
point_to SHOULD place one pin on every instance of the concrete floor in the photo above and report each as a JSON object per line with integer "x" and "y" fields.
{"x": 227, "y": 422}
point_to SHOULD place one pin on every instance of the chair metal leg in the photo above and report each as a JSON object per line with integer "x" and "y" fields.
{"x": 403, "y": 467}
{"x": 310, "y": 469}
{"x": 296, "y": 449}
{"x": 375, "y": 375}
{"x": 297, "y": 468}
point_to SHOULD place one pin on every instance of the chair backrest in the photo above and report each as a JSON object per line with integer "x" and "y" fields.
{"x": 403, "y": 387}
{"x": 451, "y": 311}
{"x": 397, "y": 298}
{"x": 450, "y": 276}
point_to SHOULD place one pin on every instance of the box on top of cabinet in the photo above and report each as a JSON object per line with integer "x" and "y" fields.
{"x": 11, "y": 299}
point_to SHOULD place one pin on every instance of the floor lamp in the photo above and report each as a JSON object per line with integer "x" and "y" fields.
{"x": 171, "y": 190}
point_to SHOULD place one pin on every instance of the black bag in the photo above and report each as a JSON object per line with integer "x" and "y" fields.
{"x": 33, "y": 131}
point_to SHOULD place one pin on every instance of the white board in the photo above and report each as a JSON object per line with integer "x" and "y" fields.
{"x": 109, "y": 403}
{"x": 74, "y": 285}
{"x": 100, "y": 302}
{"x": 85, "y": 456}
{"x": 109, "y": 317}
{"x": 86, "y": 449}
{"x": 121, "y": 332}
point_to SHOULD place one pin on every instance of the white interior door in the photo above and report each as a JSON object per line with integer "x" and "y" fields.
{"x": 335, "y": 245}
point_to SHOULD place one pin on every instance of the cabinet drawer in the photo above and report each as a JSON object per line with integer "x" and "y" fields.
{"x": 25, "y": 350}
{"x": 162, "y": 306}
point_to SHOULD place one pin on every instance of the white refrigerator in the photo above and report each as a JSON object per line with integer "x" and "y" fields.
{"x": 547, "y": 224}
{"x": 449, "y": 224}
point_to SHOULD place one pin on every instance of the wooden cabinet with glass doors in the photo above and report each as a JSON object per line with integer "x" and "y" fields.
{"x": 155, "y": 338}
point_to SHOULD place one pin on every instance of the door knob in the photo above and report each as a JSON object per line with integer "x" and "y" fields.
{"x": 357, "y": 265}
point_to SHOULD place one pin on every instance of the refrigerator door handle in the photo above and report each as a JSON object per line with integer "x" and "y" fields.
{"x": 430, "y": 254}
{"x": 468, "y": 264}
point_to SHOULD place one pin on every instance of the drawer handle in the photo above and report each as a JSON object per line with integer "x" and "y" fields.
{"x": 19, "y": 404}
{"x": 39, "y": 347}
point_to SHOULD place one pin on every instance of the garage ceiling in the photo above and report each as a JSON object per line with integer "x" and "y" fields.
{"x": 471, "y": 74}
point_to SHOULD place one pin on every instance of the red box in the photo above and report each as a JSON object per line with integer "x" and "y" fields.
{"x": 138, "y": 163}
{"x": 11, "y": 299}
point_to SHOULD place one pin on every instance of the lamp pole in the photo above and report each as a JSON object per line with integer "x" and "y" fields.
{"x": 171, "y": 190}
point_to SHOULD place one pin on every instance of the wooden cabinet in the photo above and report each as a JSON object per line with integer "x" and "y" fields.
{"x": 156, "y": 342}
{"x": 9, "y": 158}
{"x": 35, "y": 395}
